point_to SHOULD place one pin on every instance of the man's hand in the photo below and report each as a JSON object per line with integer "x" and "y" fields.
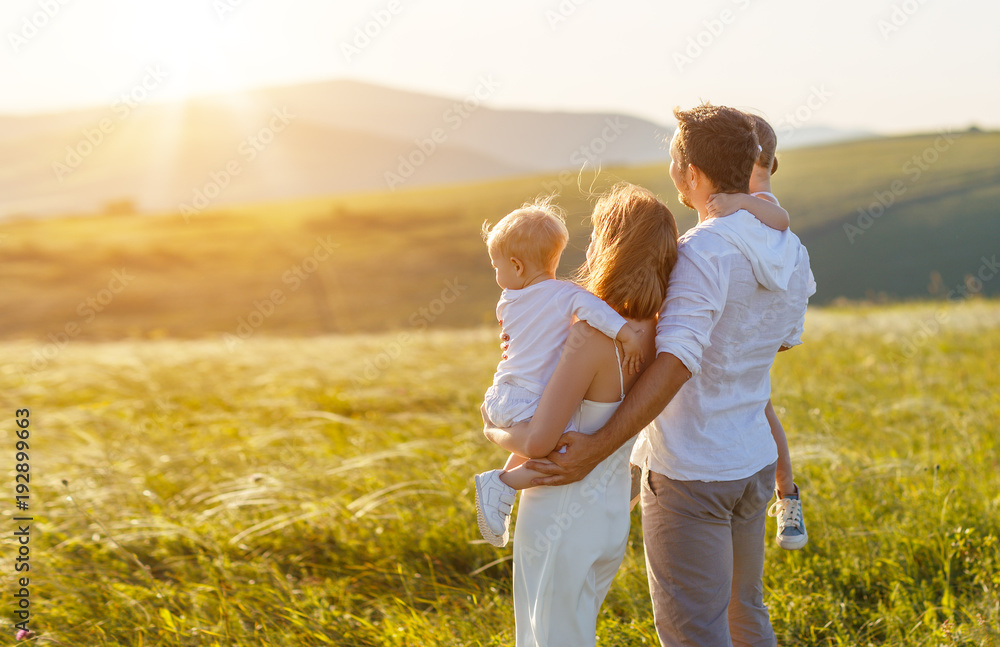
{"x": 583, "y": 453}
{"x": 648, "y": 397}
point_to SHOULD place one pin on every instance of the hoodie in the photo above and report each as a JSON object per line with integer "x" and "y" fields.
{"x": 773, "y": 254}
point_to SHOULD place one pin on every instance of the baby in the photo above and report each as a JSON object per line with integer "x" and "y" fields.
{"x": 535, "y": 313}
{"x": 791, "y": 533}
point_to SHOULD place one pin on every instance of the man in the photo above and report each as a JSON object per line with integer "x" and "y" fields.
{"x": 708, "y": 456}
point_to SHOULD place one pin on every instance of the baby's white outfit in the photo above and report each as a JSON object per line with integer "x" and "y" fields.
{"x": 537, "y": 320}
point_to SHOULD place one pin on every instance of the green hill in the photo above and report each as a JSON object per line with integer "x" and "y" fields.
{"x": 413, "y": 259}
{"x": 880, "y": 217}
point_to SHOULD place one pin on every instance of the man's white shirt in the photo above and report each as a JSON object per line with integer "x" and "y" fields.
{"x": 737, "y": 294}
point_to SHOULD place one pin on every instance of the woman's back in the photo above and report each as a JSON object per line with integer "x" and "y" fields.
{"x": 610, "y": 383}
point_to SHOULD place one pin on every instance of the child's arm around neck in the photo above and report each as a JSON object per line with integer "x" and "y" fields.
{"x": 763, "y": 209}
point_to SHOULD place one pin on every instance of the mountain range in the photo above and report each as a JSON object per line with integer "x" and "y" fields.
{"x": 317, "y": 139}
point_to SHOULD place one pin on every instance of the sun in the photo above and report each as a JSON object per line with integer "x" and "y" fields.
{"x": 186, "y": 39}
{"x": 189, "y": 43}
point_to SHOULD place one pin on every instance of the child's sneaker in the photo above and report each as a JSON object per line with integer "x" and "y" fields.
{"x": 494, "y": 500}
{"x": 791, "y": 533}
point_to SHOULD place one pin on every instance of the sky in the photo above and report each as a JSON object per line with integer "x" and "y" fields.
{"x": 876, "y": 65}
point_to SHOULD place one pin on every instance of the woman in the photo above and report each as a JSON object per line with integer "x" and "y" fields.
{"x": 570, "y": 540}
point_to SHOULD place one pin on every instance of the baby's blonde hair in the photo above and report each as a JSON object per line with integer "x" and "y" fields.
{"x": 536, "y": 233}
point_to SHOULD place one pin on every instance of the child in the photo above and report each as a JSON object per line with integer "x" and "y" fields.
{"x": 535, "y": 312}
{"x": 791, "y": 534}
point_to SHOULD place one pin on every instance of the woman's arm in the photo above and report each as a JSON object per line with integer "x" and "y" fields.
{"x": 577, "y": 367}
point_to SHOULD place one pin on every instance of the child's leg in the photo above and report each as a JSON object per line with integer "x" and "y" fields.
{"x": 513, "y": 461}
{"x": 514, "y": 475}
{"x": 791, "y": 533}
{"x": 495, "y": 493}
{"x": 783, "y": 477}
{"x": 517, "y": 476}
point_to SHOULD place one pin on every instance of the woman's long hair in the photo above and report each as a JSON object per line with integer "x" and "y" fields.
{"x": 632, "y": 250}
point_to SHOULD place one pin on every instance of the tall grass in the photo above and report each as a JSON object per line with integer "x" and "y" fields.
{"x": 286, "y": 493}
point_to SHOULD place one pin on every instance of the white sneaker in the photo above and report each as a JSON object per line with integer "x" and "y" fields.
{"x": 791, "y": 534}
{"x": 494, "y": 500}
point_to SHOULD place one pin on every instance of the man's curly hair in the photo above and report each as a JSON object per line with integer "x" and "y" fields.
{"x": 720, "y": 141}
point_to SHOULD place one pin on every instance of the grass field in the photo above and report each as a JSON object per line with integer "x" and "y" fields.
{"x": 377, "y": 262}
{"x": 316, "y": 491}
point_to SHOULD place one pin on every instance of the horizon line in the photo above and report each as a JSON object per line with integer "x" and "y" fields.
{"x": 215, "y": 94}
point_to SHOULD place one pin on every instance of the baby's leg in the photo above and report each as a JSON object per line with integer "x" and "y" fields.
{"x": 783, "y": 476}
{"x": 513, "y": 461}
{"x": 516, "y": 475}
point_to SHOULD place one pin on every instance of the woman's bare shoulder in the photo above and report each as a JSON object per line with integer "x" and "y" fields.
{"x": 585, "y": 347}
{"x": 583, "y": 335}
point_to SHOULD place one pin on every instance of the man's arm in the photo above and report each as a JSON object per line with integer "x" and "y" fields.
{"x": 652, "y": 392}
